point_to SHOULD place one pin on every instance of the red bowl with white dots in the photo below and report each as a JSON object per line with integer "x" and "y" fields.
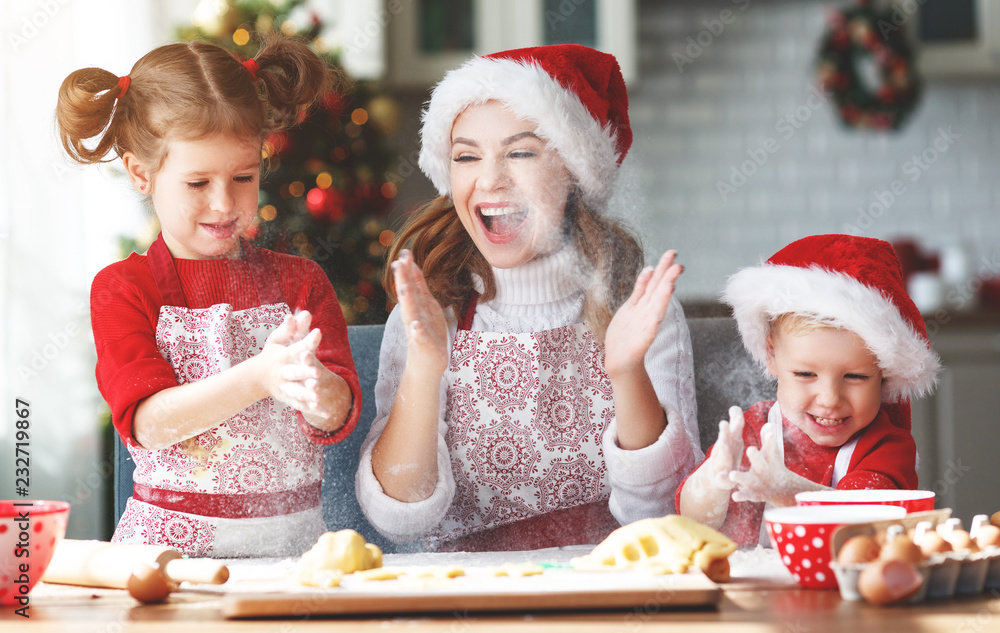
{"x": 912, "y": 500}
{"x": 801, "y": 536}
{"x": 29, "y": 532}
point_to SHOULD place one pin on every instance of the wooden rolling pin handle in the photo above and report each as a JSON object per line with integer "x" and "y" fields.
{"x": 198, "y": 570}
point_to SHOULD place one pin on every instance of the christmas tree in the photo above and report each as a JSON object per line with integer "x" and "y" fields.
{"x": 324, "y": 194}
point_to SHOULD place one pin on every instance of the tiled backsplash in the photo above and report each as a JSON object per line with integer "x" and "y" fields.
{"x": 700, "y": 112}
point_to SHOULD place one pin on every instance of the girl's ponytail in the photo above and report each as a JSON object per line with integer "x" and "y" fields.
{"x": 85, "y": 109}
{"x": 188, "y": 91}
{"x": 294, "y": 77}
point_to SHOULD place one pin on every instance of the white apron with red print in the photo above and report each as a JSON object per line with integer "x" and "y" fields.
{"x": 250, "y": 486}
{"x": 526, "y": 415}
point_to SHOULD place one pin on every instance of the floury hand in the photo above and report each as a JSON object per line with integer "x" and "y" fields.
{"x": 727, "y": 453}
{"x": 768, "y": 479}
{"x": 426, "y": 328}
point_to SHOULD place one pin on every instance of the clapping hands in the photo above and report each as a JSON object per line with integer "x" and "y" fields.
{"x": 635, "y": 324}
{"x": 294, "y": 371}
{"x": 727, "y": 454}
{"x": 767, "y": 479}
{"x": 426, "y": 328}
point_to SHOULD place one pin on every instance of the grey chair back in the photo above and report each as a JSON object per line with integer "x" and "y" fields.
{"x": 724, "y": 374}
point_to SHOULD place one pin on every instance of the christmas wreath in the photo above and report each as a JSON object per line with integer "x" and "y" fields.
{"x": 856, "y": 34}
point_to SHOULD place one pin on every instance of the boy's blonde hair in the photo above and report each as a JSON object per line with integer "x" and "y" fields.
{"x": 189, "y": 92}
{"x": 795, "y": 324}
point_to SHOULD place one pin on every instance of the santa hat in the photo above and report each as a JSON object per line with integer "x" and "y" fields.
{"x": 574, "y": 94}
{"x": 855, "y": 283}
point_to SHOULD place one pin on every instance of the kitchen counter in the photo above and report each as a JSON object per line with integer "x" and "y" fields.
{"x": 760, "y": 598}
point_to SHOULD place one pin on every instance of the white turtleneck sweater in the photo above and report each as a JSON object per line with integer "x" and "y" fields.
{"x": 542, "y": 295}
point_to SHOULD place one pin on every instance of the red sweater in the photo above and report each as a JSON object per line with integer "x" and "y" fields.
{"x": 884, "y": 458}
{"x": 125, "y": 306}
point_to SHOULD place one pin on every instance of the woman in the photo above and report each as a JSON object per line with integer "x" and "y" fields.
{"x": 512, "y": 408}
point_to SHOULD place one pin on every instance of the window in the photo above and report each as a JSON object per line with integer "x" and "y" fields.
{"x": 426, "y": 38}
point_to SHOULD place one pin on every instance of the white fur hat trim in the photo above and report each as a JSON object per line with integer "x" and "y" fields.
{"x": 531, "y": 94}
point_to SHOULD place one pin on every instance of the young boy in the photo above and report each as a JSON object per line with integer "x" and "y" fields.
{"x": 829, "y": 317}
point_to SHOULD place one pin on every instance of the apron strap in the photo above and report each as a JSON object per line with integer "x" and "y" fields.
{"x": 161, "y": 264}
{"x": 465, "y": 323}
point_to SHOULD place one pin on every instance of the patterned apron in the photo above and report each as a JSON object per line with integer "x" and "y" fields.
{"x": 526, "y": 414}
{"x": 249, "y": 486}
{"x": 840, "y": 466}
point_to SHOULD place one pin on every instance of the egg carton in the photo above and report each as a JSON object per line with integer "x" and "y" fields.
{"x": 944, "y": 575}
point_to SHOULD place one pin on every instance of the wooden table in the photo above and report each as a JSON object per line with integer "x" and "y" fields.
{"x": 783, "y": 610}
{"x": 762, "y": 603}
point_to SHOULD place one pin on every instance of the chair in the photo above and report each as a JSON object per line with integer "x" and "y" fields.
{"x": 724, "y": 374}
{"x": 340, "y": 506}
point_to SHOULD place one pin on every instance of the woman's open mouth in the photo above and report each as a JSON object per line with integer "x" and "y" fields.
{"x": 501, "y": 220}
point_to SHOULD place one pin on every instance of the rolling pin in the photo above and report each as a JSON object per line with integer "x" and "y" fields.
{"x": 145, "y": 570}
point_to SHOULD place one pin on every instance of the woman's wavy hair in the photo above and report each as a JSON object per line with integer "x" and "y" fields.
{"x": 611, "y": 253}
{"x": 188, "y": 91}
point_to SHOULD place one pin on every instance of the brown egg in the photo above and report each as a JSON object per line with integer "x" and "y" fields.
{"x": 988, "y": 536}
{"x": 147, "y": 584}
{"x": 902, "y": 548}
{"x": 995, "y": 519}
{"x": 932, "y": 543}
{"x": 960, "y": 541}
{"x": 858, "y": 549}
{"x": 888, "y": 580}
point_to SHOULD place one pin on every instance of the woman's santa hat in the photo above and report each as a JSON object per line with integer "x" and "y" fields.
{"x": 854, "y": 283}
{"x": 575, "y": 95}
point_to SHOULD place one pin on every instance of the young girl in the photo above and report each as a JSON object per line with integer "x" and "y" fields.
{"x": 511, "y": 405}
{"x": 226, "y": 366}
